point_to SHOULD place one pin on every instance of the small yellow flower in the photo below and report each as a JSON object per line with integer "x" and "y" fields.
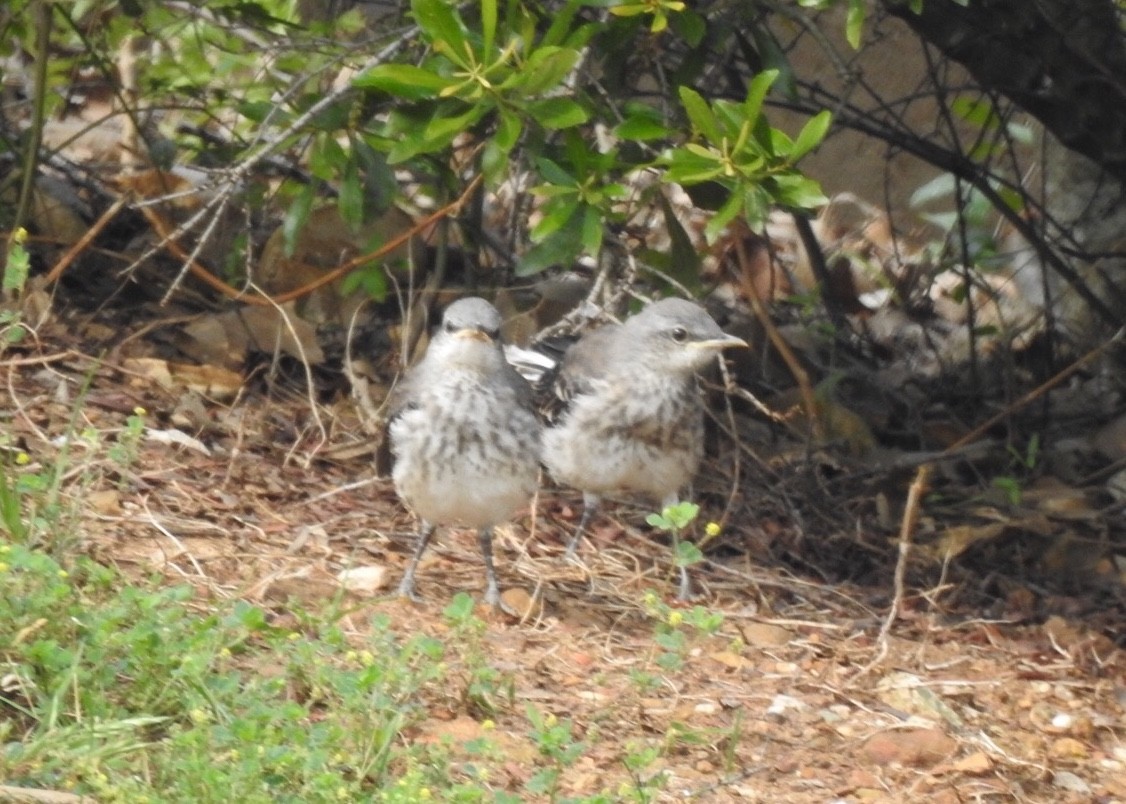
{"x": 139, "y": 411}
{"x": 367, "y": 658}
{"x": 199, "y": 715}
{"x": 293, "y": 636}
{"x": 63, "y": 574}
{"x": 712, "y": 529}
{"x": 676, "y": 617}
{"x": 19, "y": 236}
{"x": 424, "y": 793}
{"x": 550, "y": 720}
{"x": 3, "y": 567}
{"x": 486, "y": 725}
{"x": 22, "y": 459}
{"x": 342, "y": 793}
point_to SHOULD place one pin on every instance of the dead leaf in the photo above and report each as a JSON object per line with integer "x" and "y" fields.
{"x": 915, "y": 747}
{"x": 729, "y": 659}
{"x": 106, "y": 501}
{"x": 212, "y": 381}
{"x": 765, "y": 635}
{"x": 517, "y": 602}
{"x": 176, "y": 438}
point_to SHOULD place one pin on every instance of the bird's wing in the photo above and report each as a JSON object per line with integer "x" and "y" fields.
{"x": 583, "y": 365}
{"x": 399, "y": 399}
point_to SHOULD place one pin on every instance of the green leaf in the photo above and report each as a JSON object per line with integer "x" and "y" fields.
{"x": 811, "y": 135}
{"x": 800, "y": 192}
{"x": 553, "y": 173}
{"x": 690, "y": 26}
{"x": 488, "y": 25}
{"x": 687, "y": 166}
{"x": 557, "y": 213}
{"x": 700, "y": 114}
{"x": 941, "y": 186}
{"x": 494, "y": 162}
{"x": 351, "y": 198}
{"x": 684, "y": 261}
{"x": 256, "y": 111}
{"x": 591, "y": 230}
{"x": 688, "y": 554}
{"x": 443, "y": 129}
{"x": 545, "y": 69}
{"x": 726, "y": 213}
{"x": 442, "y": 25}
{"x": 296, "y": 217}
{"x": 403, "y": 81}
{"x": 756, "y": 93}
{"x": 642, "y": 123}
{"x": 682, "y": 514}
{"x": 557, "y": 113}
{"x": 555, "y": 250}
{"x": 509, "y": 126}
{"x": 773, "y": 57}
{"x": 978, "y": 111}
{"x": 854, "y": 23}
{"x": 561, "y": 248}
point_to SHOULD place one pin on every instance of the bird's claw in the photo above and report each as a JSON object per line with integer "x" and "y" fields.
{"x": 406, "y": 590}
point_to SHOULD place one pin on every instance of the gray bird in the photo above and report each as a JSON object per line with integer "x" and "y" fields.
{"x": 463, "y": 435}
{"x": 633, "y": 418}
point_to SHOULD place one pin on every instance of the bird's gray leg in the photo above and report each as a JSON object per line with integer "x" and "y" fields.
{"x": 684, "y": 589}
{"x": 590, "y": 505}
{"x": 406, "y": 586}
{"x": 492, "y": 590}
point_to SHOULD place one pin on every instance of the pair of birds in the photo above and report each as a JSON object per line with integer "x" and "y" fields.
{"x": 466, "y": 444}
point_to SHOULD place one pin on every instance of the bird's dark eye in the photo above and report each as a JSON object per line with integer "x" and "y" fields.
{"x": 449, "y": 326}
{"x": 679, "y": 334}
{"x": 494, "y": 334}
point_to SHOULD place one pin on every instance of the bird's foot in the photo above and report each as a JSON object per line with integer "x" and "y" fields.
{"x": 684, "y": 588}
{"x": 406, "y": 589}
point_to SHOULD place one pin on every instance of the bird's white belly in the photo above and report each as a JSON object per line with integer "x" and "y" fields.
{"x": 611, "y": 464}
{"x": 471, "y": 480}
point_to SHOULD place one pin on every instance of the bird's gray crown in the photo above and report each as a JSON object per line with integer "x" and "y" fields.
{"x": 472, "y": 313}
{"x": 677, "y": 319}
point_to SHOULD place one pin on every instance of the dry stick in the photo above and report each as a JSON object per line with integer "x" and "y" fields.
{"x": 73, "y": 252}
{"x": 915, "y": 493}
{"x": 799, "y": 374}
{"x": 261, "y": 299}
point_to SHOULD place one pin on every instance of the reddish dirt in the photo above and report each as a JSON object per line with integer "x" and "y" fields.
{"x": 793, "y": 699}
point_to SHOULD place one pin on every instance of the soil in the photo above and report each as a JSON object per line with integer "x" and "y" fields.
{"x": 980, "y": 690}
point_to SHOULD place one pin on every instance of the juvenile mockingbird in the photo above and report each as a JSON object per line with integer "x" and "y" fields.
{"x": 463, "y": 435}
{"x": 632, "y": 418}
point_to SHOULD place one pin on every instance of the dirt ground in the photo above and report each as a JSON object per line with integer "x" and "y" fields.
{"x": 795, "y": 698}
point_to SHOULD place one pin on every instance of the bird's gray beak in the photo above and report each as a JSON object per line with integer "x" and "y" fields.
{"x": 719, "y": 344}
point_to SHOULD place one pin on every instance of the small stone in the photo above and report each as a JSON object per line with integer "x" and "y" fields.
{"x": 1062, "y": 722}
{"x": 1066, "y": 780}
{"x": 366, "y": 580}
{"x": 1069, "y": 748}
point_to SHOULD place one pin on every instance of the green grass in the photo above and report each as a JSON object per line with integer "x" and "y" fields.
{"x": 133, "y": 690}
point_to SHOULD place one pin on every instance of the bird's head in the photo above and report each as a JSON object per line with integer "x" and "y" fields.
{"x": 469, "y": 335}
{"x": 678, "y": 333}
